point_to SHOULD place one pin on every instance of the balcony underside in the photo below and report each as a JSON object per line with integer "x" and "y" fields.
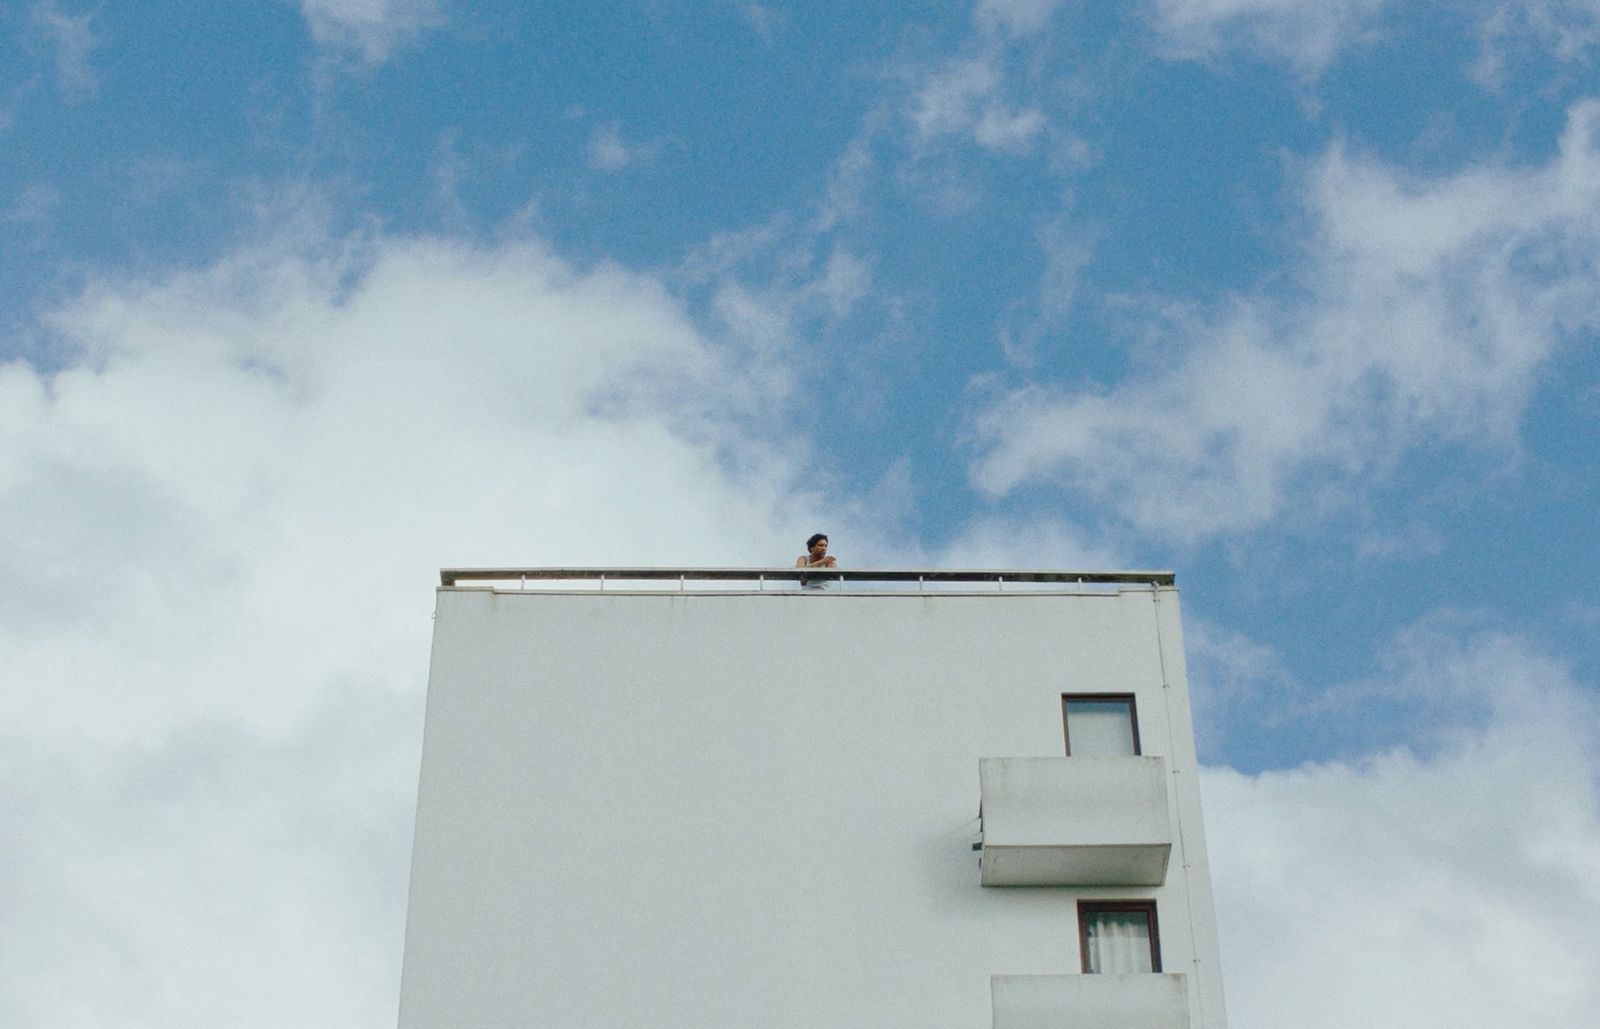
{"x": 1107, "y": 865}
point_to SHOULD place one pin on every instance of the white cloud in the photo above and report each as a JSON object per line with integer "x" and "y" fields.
{"x": 36, "y": 204}
{"x": 1309, "y": 36}
{"x": 845, "y": 279}
{"x": 1015, "y": 16}
{"x": 1454, "y": 888}
{"x": 370, "y": 29}
{"x": 12, "y": 101}
{"x": 950, "y": 98}
{"x": 226, "y": 510}
{"x": 764, "y": 20}
{"x": 849, "y": 180}
{"x": 799, "y": 286}
{"x": 1239, "y": 685}
{"x": 1067, "y": 250}
{"x": 1565, "y": 29}
{"x": 987, "y": 94}
{"x": 966, "y": 97}
{"x": 71, "y": 39}
{"x": 608, "y": 152}
{"x": 215, "y": 877}
{"x": 1429, "y": 308}
{"x": 1306, "y": 34}
{"x": 1008, "y": 131}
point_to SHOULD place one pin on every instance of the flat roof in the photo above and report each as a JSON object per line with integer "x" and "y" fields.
{"x": 998, "y": 576}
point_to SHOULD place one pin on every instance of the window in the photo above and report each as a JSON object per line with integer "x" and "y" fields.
{"x": 1118, "y": 936}
{"x": 1100, "y": 724}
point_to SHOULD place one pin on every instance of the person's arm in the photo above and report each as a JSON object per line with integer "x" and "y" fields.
{"x": 803, "y": 561}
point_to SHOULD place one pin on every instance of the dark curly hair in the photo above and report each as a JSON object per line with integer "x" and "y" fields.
{"x": 814, "y": 537}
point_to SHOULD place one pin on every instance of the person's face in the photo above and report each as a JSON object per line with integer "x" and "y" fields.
{"x": 819, "y": 548}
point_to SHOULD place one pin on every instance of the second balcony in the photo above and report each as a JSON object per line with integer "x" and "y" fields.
{"x": 1074, "y": 821}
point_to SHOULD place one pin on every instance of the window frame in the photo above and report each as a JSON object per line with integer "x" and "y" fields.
{"x": 1145, "y": 907}
{"x": 1133, "y": 716}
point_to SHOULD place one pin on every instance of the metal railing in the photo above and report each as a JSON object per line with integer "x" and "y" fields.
{"x": 923, "y": 577}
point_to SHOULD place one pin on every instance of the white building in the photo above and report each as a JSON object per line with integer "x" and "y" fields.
{"x": 721, "y": 801}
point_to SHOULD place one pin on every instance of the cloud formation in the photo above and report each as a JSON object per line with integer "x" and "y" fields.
{"x": 222, "y": 436}
{"x": 965, "y": 97}
{"x": 608, "y": 151}
{"x": 1449, "y": 883}
{"x": 71, "y": 39}
{"x": 1510, "y": 32}
{"x": 227, "y": 505}
{"x": 1018, "y": 17}
{"x": 213, "y": 877}
{"x": 1424, "y": 312}
{"x": 1309, "y": 37}
{"x": 1304, "y": 34}
{"x": 371, "y": 30}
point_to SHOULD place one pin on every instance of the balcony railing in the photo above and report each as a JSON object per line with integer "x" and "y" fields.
{"x": 759, "y": 578}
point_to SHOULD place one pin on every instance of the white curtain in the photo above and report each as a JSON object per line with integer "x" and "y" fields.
{"x": 1118, "y": 941}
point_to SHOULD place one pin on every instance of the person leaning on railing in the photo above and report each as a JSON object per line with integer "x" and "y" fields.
{"x": 816, "y": 556}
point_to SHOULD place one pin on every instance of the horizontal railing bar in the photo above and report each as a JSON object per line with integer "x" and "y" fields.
{"x": 452, "y": 576}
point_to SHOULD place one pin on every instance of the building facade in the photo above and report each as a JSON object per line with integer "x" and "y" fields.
{"x": 909, "y": 799}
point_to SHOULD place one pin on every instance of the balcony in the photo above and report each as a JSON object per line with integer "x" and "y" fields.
{"x": 1074, "y": 821}
{"x": 1150, "y": 1001}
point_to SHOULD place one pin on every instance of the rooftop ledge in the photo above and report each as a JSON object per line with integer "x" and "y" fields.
{"x": 837, "y": 578}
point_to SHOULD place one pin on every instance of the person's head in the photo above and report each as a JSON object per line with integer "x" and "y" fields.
{"x": 817, "y": 544}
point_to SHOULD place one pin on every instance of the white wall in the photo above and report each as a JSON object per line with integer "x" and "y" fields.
{"x": 757, "y": 809}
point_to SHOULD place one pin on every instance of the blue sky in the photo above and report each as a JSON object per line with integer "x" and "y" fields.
{"x": 302, "y": 301}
